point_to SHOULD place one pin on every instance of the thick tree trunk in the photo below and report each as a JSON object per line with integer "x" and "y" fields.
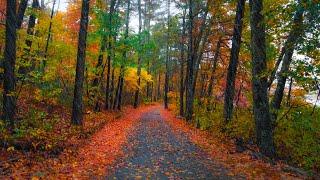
{"x": 233, "y": 63}
{"x": 77, "y": 114}
{"x": 261, "y": 111}
{"x": 136, "y": 96}
{"x": 9, "y": 84}
{"x": 182, "y": 62}
{"x": 166, "y": 82}
{"x": 22, "y": 9}
{"x": 295, "y": 33}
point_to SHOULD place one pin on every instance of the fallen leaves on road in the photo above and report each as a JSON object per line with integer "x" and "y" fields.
{"x": 223, "y": 151}
{"x": 83, "y": 157}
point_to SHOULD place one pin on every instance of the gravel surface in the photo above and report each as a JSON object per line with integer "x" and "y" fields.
{"x": 155, "y": 152}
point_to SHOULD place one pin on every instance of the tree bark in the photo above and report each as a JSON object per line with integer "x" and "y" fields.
{"x": 295, "y": 33}
{"x": 182, "y": 62}
{"x": 166, "y": 82}
{"x": 77, "y": 110}
{"x": 136, "y": 96}
{"x": 190, "y": 66}
{"x": 22, "y": 9}
{"x": 9, "y": 84}
{"x": 214, "y": 68}
{"x": 233, "y": 63}
{"x": 44, "y": 62}
{"x": 122, "y": 68}
{"x": 261, "y": 111}
{"x": 30, "y": 31}
{"x": 108, "y": 93}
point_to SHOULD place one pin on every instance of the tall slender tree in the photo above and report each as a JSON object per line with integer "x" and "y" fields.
{"x": 136, "y": 96}
{"x": 109, "y": 57}
{"x": 233, "y": 63}
{"x": 77, "y": 110}
{"x": 166, "y": 81}
{"x": 9, "y": 84}
{"x": 44, "y": 62}
{"x": 182, "y": 62}
{"x": 261, "y": 110}
{"x": 295, "y": 33}
{"x": 124, "y": 56}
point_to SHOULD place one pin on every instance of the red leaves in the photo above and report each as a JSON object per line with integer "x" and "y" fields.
{"x": 81, "y": 158}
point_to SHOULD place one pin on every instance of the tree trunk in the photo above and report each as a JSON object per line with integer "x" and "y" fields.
{"x": 289, "y": 92}
{"x": 44, "y": 62}
{"x": 166, "y": 82}
{"x": 136, "y": 96}
{"x": 295, "y": 33}
{"x": 233, "y": 63}
{"x": 190, "y": 66}
{"x": 30, "y": 31}
{"x": 9, "y": 84}
{"x": 122, "y": 68}
{"x": 110, "y": 38}
{"x": 22, "y": 9}
{"x": 182, "y": 62}
{"x": 261, "y": 111}
{"x": 215, "y": 63}
{"x": 77, "y": 114}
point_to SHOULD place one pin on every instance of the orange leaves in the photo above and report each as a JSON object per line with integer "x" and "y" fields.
{"x": 81, "y": 158}
{"x": 223, "y": 151}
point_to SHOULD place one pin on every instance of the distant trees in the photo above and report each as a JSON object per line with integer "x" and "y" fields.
{"x": 77, "y": 110}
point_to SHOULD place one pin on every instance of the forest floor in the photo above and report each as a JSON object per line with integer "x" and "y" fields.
{"x": 151, "y": 143}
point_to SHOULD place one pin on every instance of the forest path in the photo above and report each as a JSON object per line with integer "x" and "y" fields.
{"x": 154, "y": 151}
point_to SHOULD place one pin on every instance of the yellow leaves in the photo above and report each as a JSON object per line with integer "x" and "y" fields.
{"x": 10, "y": 149}
{"x": 131, "y": 78}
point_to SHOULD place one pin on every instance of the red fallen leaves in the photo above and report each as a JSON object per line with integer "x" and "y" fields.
{"x": 85, "y": 157}
{"x": 223, "y": 151}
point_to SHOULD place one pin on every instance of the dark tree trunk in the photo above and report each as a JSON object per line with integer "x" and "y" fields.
{"x": 136, "y": 96}
{"x": 112, "y": 88}
{"x": 215, "y": 63}
{"x": 9, "y": 84}
{"x": 110, "y": 38}
{"x": 166, "y": 81}
{"x": 30, "y": 31}
{"x": 295, "y": 33}
{"x": 122, "y": 68}
{"x": 77, "y": 114}
{"x": 195, "y": 51}
{"x": 48, "y": 38}
{"x": 159, "y": 88}
{"x": 274, "y": 71}
{"x": 233, "y": 63}
{"x": 261, "y": 111}
{"x": 190, "y": 66}
{"x": 22, "y": 9}
{"x": 99, "y": 73}
{"x": 289, "y": 92}
{"x": 182, "y": 62}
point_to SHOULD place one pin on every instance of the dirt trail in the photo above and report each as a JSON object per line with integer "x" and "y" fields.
{"x": 153, "y": 151}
